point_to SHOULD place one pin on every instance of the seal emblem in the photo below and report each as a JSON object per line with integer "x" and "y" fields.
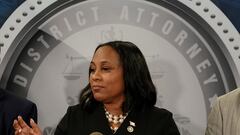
{"x": 190, "y": 63}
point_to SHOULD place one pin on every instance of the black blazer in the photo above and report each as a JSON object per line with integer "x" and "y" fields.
{"x": 154, "y": 121}
{"x": 12, "y": 106}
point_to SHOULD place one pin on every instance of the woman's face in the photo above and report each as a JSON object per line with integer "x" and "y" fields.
{"x": 106, "y": 76}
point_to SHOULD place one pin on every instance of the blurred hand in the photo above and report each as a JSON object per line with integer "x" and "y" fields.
{"x": 21, "y": 128}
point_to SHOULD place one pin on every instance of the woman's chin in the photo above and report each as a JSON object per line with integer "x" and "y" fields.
{"x": 99, "y": 98}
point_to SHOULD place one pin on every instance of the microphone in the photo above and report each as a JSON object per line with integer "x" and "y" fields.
{"x": 96, "y": 133}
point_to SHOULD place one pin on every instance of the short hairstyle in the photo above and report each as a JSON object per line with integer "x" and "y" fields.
{"x": 140, "y": 92}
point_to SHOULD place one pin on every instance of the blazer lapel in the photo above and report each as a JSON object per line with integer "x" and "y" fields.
{"x": 129, "y": 126}
{"x": 99, "y": 122}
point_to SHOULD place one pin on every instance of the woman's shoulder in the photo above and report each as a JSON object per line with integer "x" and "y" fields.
{"x": 158, "y": 114}
{"x": 78, "y": 109}
{"x": 73, "y": 113}
{"x": 160, "y": 121}
{"x": 160, "y": 111}
{"x": 75, "y": 109}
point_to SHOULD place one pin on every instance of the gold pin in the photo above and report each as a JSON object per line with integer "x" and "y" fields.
{"x": 130, "y": 129}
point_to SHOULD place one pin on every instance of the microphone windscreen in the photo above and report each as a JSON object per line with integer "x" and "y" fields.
{"x": 96, "y": 133}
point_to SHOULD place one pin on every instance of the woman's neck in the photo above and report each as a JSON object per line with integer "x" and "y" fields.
{"x": 114, "y": 106}
{"x": 115, "y": 109}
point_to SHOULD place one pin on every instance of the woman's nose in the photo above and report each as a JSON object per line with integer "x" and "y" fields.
{"x": 96, "y": 75}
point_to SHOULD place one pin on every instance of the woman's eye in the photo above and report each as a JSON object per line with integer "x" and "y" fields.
{"x": 91, "y": 70}
{"x": 106, "y": 69}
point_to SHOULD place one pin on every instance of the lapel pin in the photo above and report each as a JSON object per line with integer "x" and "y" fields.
{"x": 130, "y": 129}
{"x": 132, "y": 123}
{"x": 131, "y": 126}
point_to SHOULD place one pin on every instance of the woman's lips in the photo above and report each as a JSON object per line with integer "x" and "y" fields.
{"x": 97, "y": 87}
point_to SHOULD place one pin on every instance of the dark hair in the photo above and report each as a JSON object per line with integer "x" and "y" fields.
{"x": 140, "y": 91}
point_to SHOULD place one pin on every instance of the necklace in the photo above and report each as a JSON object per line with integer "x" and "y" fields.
{"x": 115, "y": 119}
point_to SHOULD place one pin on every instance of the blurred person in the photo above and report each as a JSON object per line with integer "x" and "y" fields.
{"x": 12, "y": 106}
{"x": 224, "y": 118}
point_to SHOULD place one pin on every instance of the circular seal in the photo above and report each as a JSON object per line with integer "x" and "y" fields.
{"x": 190, "y": 47}
{"x": 130, "y": 129}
